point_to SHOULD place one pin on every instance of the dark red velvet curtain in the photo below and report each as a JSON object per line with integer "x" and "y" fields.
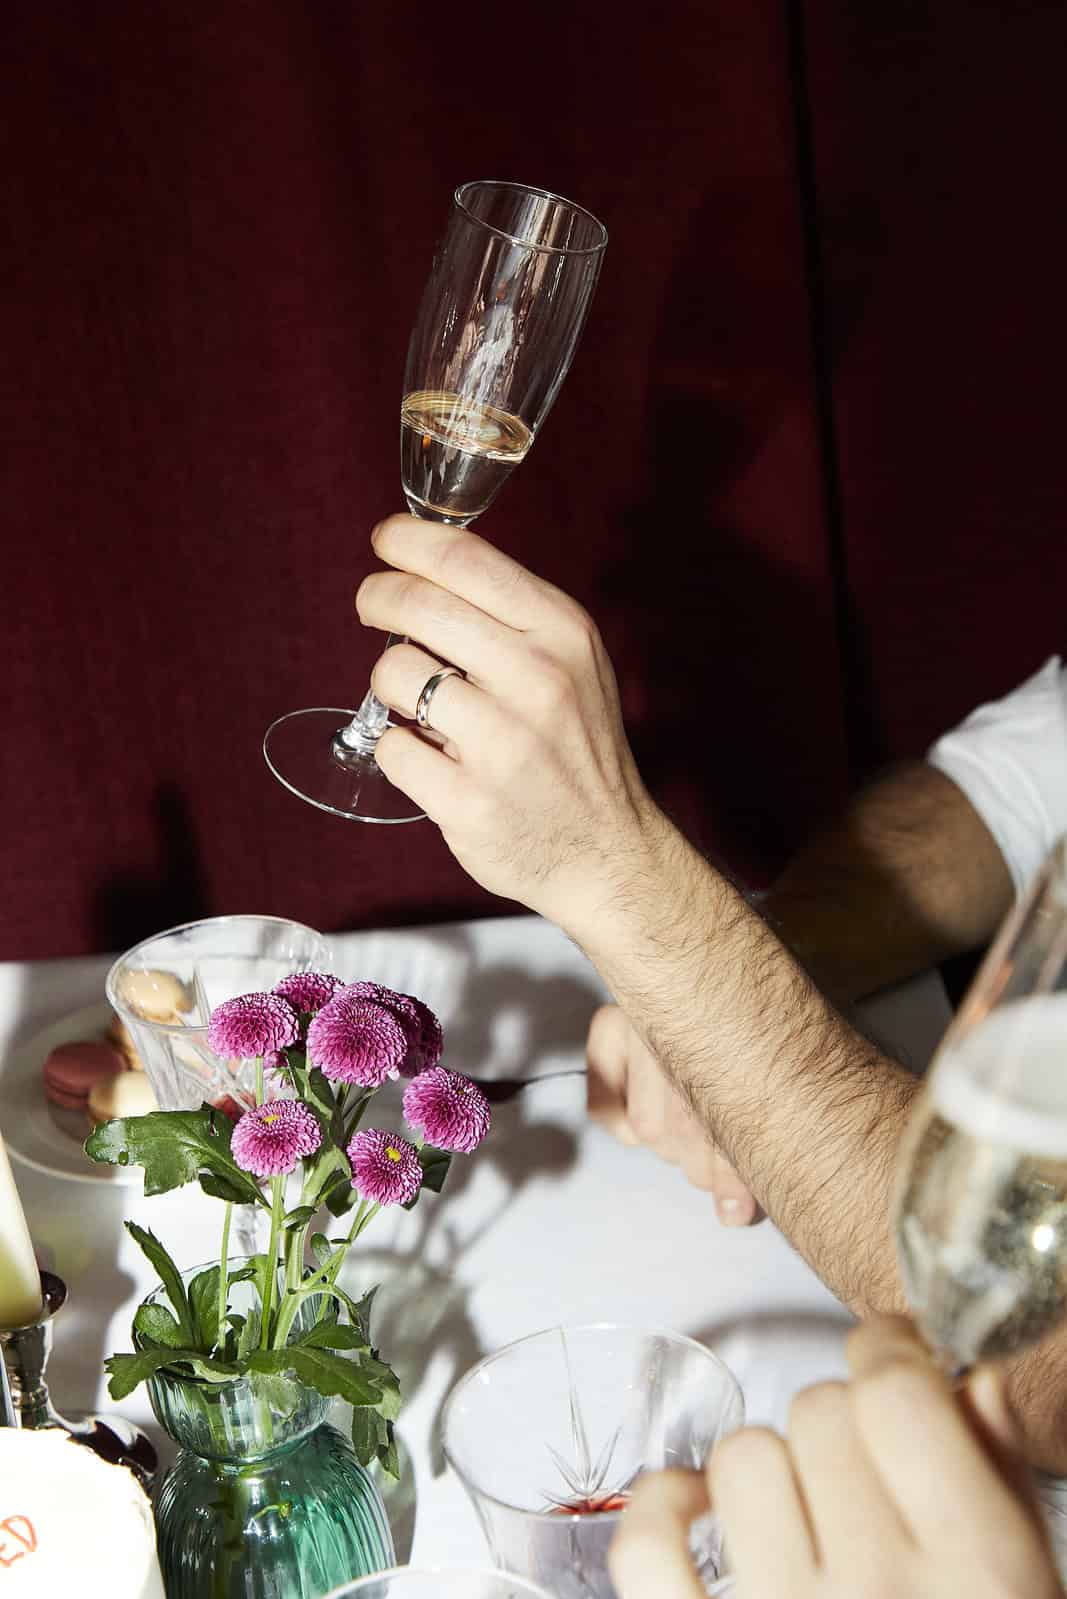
{"x": 812, "y": 418}
{"x": 940, "y": 145}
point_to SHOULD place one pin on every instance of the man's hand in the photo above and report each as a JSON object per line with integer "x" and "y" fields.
{"x": 534, "y": 786}
{"x": 893, "y": 1485}
{"x": 629, "y": 1095}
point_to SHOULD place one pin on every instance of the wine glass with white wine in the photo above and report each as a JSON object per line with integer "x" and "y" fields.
{"x": 981, "y": 1213}
{"x": 499, "y": 322}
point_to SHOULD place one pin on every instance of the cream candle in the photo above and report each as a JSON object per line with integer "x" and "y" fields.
{"x": 20, "y": 1280}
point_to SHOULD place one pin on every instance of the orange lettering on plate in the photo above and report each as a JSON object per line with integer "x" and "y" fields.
{"x": 21, "y": 1530}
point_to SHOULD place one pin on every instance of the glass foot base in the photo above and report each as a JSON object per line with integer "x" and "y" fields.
{"x": 303, "y": 751}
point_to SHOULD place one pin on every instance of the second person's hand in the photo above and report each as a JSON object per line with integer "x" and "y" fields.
{"x": 631, "y": 1098}
{"x": 889, "y": 1487}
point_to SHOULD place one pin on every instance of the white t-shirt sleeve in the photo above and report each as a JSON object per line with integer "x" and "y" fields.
{"x": 1010, "y": 759}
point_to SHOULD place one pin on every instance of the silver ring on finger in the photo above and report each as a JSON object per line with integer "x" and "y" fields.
{"x": 429, "y": 689}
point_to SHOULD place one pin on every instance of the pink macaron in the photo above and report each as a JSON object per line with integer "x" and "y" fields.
{"x": 70, "y": 1073}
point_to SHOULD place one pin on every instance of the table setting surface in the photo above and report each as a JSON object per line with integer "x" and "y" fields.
{"x": 549, "y": 1222}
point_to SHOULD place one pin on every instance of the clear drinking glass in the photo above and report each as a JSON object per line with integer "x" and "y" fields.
{"x": 981, "y": 1205}
{"x": 433, "y": 1582}
{"x": 164, "y": 990}
{"x": 495, "y": 334}
{"x": 549, "y": 1435}
{"x": 166, "y": 987}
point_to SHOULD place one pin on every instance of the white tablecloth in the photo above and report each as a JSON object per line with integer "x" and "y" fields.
{"x": 549, "y": 1221}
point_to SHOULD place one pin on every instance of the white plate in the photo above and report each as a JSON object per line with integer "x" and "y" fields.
{"x": 29, "y": 1131}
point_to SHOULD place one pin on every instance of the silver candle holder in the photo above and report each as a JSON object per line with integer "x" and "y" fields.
{"x": 26, "y": 1352}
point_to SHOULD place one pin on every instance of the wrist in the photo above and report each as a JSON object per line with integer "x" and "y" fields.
{"x": 641, "y": 888}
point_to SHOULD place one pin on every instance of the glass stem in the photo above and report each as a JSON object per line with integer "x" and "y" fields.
{"x": 367, "y": 726}
{"x": 369, "y": 723}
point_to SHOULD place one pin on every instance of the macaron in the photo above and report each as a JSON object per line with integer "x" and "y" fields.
{"x": 71, "y": 1071}
{"x": 119, "y": 1035}
{"x": 128, "y": 1094}
{"x": 156, "y": 995}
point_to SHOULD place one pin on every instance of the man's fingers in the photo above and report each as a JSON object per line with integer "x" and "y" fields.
{"x": 606, "y": 1067}
{"x": 846, "y": 1500}
{"x": 993, "y": 1418}
{"x": 468, "y": 566}
{"x": 446, "y": 625}
{"x": 458, "y": 710}
{"x": 922, "y": 1444}
{"x": 425, "y": 773}
{"x": 876, "y": 1342}
{"x": 650, "y": 1554}
{"x": 734, "y": 1203}
{"x": 764, "y": 1516}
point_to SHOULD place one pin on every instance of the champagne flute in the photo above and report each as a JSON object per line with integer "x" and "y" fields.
{"x": 496, "y": 331}
{"x": 981, "y": 1208}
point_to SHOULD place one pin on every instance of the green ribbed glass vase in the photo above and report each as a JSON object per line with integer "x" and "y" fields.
{"x": 265, "y": 1499}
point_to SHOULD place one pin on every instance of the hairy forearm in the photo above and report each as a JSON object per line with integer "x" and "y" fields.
{"x": 908, "y": 876}
{"x": 809, "y": 1112}
{"x": 796, "y": 1099}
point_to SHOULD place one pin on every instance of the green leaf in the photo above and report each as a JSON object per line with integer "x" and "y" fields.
{"x": 385, "y": 1378}
{"x": 155, "y": 1324}
{"x": 127, "y": 1371}
{"x": 228, "y": 1344}
{"x": 373, "y": 1439}
{"x": 262, "y": 1267}
{"x": 213, "y": 1370}
{"x": 341, "y": 1196}
{"x": 169, "y": 1276}
{"x": 279, "y": 1391}
{"x": 173, "y": 1146}
{"x": 248, "y": 1336}
{"x": 330, "y": 1168}
{"x": 320, "y": 1248}
{"x": 299, "y": 1217}
{"x": 331, "y": 1374}
{"x": 219, "y": 1187}
{"x": 321, "y": 1095}
{"x": 387, "y": 1454}
{"x": 361, "y": 1312}
{"x": 435, "y": 1164}
{"x": 332, "y": 1335}
{"x": 365, "y": 1434}
{"x": 204, "y": 1301}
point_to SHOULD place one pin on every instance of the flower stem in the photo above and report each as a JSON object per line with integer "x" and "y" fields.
{"x": 323, "y": 1279}
{"x": 224, "y": 1265}
{"x": 277, "y": 1210}
{"x": 260, "y": 1091}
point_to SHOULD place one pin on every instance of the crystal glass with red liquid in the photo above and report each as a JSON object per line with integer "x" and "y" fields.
{"x": 549, "y": 1435}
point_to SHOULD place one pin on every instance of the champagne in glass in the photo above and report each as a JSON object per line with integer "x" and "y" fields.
{"x": 982, "y": 1194}
{"x": 496, "y": 331}
{"x": 454, "y": 456}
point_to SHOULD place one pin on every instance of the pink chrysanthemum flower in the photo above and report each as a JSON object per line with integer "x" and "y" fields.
{"x": 253, "y": 1024}
{"x": 356, "y": 1040}
{"x": 448, "y": 1108}
{"x": 421, "y": 1027}
{"x": 308, "y": 991}
{"x": 385, "y": 1168}
{"x": 269, "y": 1140}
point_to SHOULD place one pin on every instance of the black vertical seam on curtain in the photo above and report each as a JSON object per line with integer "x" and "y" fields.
{"x": 857, "y": 733}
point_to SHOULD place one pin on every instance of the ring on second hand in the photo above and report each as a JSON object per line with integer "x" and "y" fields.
{"x": 429, "y": 689}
